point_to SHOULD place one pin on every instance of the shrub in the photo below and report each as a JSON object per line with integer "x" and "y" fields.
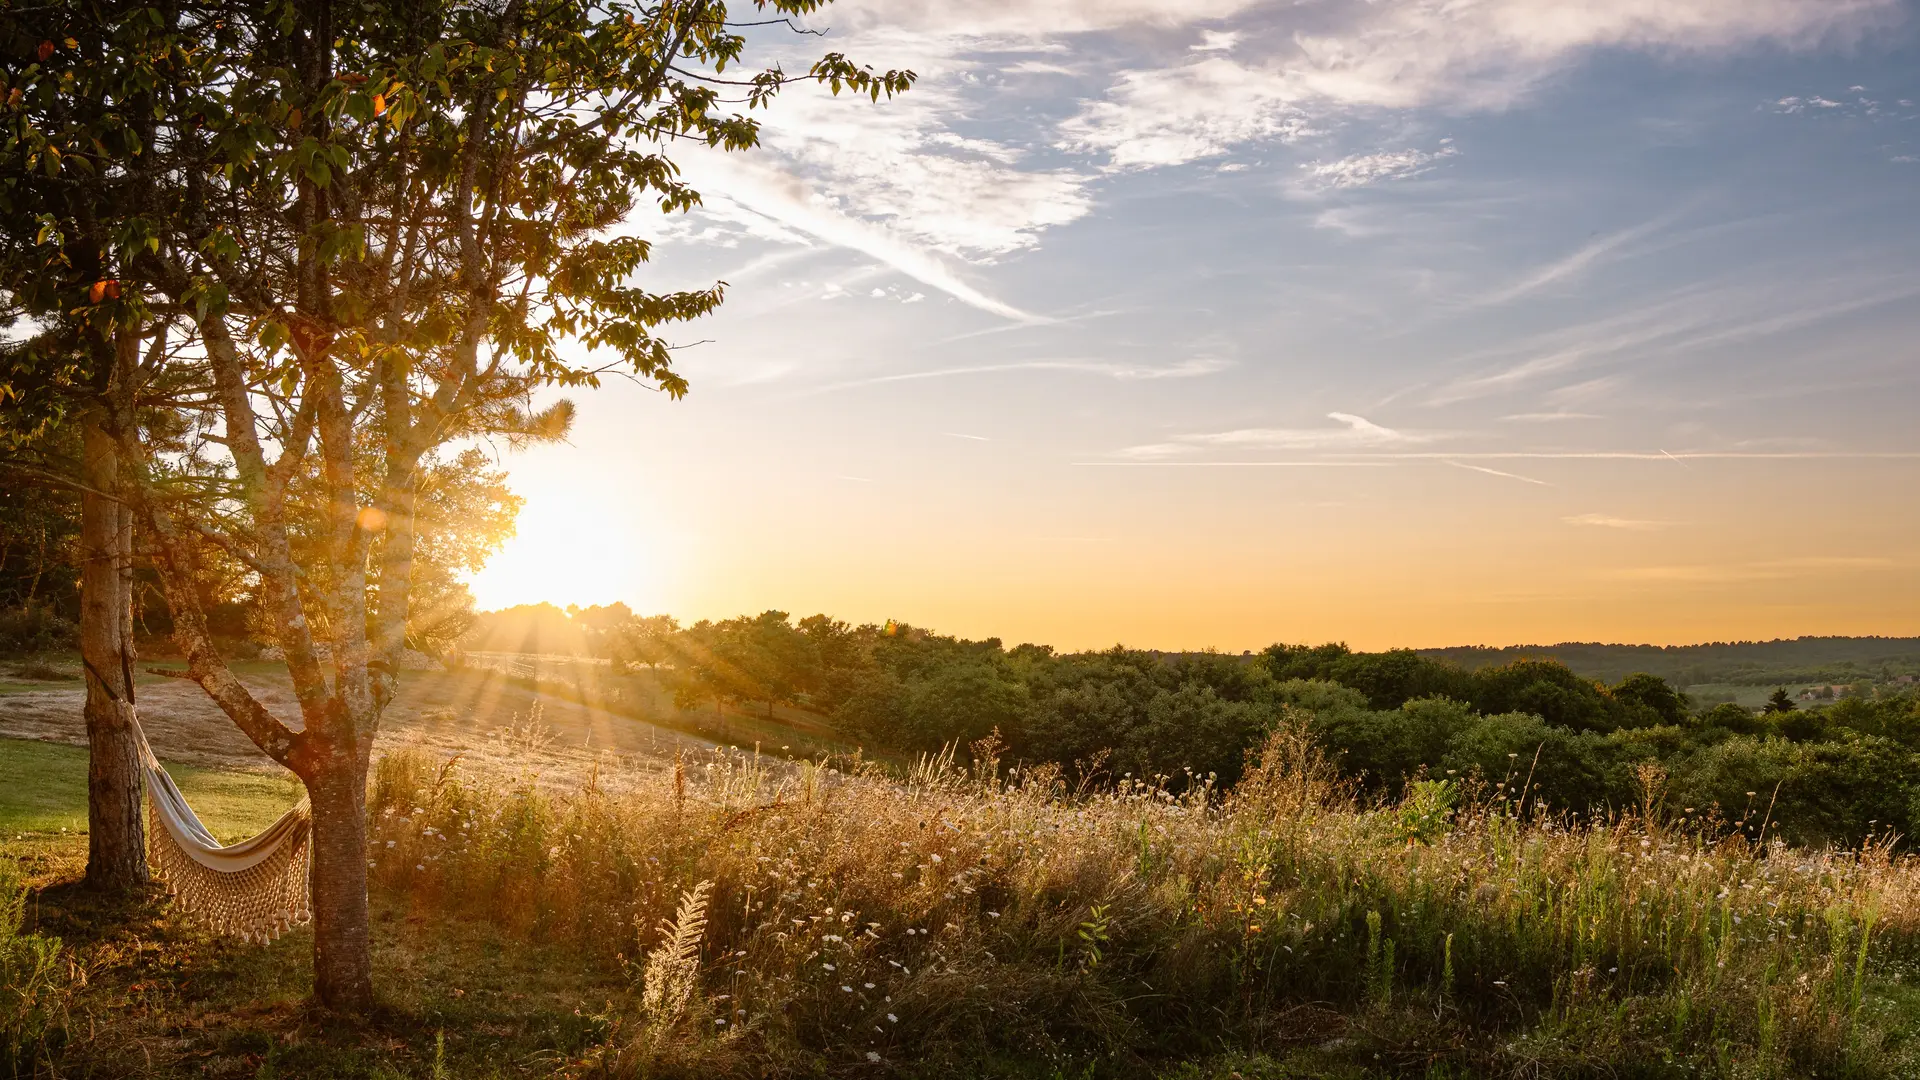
{"x": 35, "y": 628}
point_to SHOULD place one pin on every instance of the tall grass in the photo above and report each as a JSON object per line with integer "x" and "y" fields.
{"x": 963, "y": 916}
{"x": 36, "y": 983}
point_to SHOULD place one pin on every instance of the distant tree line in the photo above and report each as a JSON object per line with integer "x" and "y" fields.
{"x": 1832, "y": 774}
{"x": 1740, "y": 663}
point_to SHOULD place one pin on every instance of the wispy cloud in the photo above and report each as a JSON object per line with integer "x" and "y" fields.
{"x": 1185, "y": 369}
{"x": 1497, "y": 472}
{"x": 1171, "y": 116}
{"x": 1474, "y": 386}
{"x": 1361, "y": 170}
{"x": 1328, "y": 62}
{"x": 1355, "y": 433}
{"x": 1550, "y": 417}
{"x": 1682, "y": 324}
{"x": 1578, "y": 261}
{"x": 1251, "y": 464}
{"x": 790, "y": 202}
{"x": 1662, "y": 455}
{"x": 1768, "y": 570}
{"x": 958, "y": 435}
{"x": 1608, "y": 521}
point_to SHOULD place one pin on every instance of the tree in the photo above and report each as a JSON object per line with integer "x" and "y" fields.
{"x": 464, "y": 511}
{"x": 74, "y": 101}
{"x": 643, "y": 639}
{"x": 1780, "y": 702}
{"x": 1653, "y": 697}
{"x": 368, "y": 217}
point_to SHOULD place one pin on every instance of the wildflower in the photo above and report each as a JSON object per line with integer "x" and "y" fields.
{"x": 873, "y": 1055}
{"x": 892, "y": 1019}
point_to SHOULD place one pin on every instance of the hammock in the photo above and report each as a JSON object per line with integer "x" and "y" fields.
{"x": 256, "y": 889}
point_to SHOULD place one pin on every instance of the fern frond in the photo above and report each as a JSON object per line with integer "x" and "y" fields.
{"x": 673, "y": 967}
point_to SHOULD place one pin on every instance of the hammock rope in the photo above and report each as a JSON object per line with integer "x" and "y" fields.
{"x": 256, "y": 889}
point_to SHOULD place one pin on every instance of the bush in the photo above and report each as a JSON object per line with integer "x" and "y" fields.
{"x": 35, "y": 628}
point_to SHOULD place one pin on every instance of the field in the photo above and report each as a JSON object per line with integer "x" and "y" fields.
{"x": 447, "y": 711}
{"x": 731, "y": 918}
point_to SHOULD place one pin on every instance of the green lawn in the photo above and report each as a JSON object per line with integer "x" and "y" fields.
{"x": 43, "y": 791}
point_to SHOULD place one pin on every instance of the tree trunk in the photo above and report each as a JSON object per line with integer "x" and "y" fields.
{"x": 342, "y": 943}
{"x": 116, "y": 836}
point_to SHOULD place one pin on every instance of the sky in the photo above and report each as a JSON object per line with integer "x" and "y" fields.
{"x": 1213, "y": 323}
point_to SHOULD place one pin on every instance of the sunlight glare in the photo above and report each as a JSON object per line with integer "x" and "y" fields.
{"x": 576, "y": 546}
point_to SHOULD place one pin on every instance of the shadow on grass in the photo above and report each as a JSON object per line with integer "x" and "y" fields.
{"x": 161, "y": 998}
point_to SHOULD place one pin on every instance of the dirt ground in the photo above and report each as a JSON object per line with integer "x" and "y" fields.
{"x": 475, "y": 713}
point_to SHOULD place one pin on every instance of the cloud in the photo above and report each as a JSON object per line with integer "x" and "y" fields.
{"x": 1327, "y": 61}
{"x": 792, "y": 203}
{"x": 1551, "y": 417}
{"x": 1683, "y": 323}
{"x": 1607, "y": 521}
{"x": 1576, "y": 262}
{"x": 1185, "y": 369}
{"x": 1357, "y": 433}
{"x": 1215, "y": 41}
{"x": 1658, "y": 455}
{"x": 1770, "y": 570}
{"x": 1170, "y": 116}
{"x": 1497, "y": 472}
{"x": 1363, "y": 169}
{"x": 1007, "y": 22}
{"x": 965, "y": 166}
{"x": 1474, "y": 386}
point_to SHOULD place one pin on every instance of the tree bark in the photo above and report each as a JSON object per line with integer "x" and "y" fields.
{"x": 116, "y": 834}
{"x": 342, "y": 941}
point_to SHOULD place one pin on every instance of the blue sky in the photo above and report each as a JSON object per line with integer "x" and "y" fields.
{"x": 1216, "y": 323}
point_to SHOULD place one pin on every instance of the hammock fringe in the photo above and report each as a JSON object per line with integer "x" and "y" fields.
{"x": 255, "y": 890}
{"x": 255, "y": 904}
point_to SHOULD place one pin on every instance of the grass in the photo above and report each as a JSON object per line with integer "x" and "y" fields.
{"x": 728, "y": 918}
{"x": 787, "y": 732}
{"x": 43, "y": 790}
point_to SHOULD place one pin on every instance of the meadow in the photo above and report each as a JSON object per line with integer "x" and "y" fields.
{"x": 740, "y": 916}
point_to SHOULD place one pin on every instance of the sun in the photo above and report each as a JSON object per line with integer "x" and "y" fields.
{"x": 571, "y": 549}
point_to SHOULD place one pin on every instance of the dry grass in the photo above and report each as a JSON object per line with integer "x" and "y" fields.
{"x": 963, "y": 919}
{"x": 440, "y": 712}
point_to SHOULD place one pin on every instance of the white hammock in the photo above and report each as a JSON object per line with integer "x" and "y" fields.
{"x": 255, "y": 889}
